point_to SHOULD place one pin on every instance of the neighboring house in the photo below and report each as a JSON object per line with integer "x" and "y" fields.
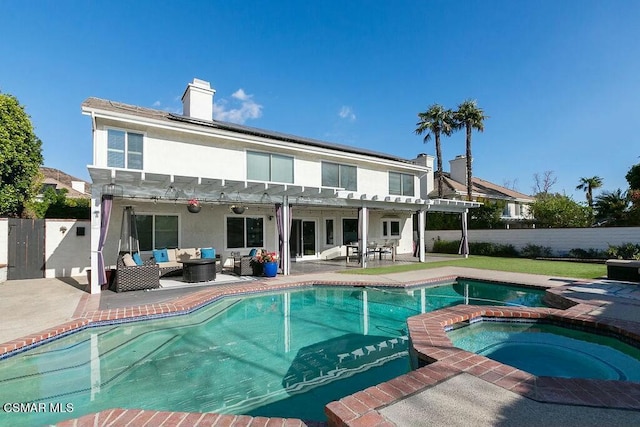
{"x": 58, "y": 180}
{"x": 516, "y": 213}
{"x": 244, "y": 179}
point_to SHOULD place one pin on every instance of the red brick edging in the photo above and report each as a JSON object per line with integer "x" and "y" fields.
{"x": 431, "y": 346}
{"x": 428, "y": 342}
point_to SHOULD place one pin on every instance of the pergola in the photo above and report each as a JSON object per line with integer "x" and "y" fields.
{"x": 168, "y": 188}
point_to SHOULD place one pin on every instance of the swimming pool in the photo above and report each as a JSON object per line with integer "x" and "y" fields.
{"x": 549, "y": 350}
{"x": 284, "y": 354}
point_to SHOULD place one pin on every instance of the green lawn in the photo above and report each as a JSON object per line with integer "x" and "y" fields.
{"x": 515, "y": 265}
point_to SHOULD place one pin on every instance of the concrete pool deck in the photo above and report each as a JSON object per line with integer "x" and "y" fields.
{"x": 33, "y": 310}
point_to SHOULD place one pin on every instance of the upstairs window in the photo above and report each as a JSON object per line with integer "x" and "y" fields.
{"x": 401, "y": 184}
{"x": 124, "y": 149}
{"x": 339, "y": 176}
{"x": 269, "y": 167}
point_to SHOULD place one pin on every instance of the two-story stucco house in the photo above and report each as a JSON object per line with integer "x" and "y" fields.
{"x": 516, "y": 212}
{"x": 330, "y": 195}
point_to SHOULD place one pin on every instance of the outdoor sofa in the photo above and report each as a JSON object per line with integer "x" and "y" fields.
{"x": 133, "y": 277}
{"x": 168, "y": 259}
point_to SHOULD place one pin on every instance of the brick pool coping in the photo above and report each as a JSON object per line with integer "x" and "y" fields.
{"x": 430, "y": 345}
{"x": 361, "y": 408}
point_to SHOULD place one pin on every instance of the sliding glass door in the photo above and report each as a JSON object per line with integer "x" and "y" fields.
{"x": 302, "y": 242}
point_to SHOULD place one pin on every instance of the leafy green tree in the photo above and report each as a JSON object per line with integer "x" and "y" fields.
{"x": 56, "y": 204}
{"x": 443, "y": 221}
{"x": 469, "y": 116}
{"x": 612, "y": 207}
{"x": 559, "y": 211}
{"x": 436, "y": 121}
{"x": 588, "y": 185}
{"x": 487, "y": 215}
{"x": 20, "y": 157}
{"x": 633, "y": 177}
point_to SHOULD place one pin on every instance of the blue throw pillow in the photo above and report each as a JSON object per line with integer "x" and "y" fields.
{"x": 208, "y": 253}
{"x": 252, "y": 252}
{"x": 137, "y": 258}
{"x": 161, "y": 255}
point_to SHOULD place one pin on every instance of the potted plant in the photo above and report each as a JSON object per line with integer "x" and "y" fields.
{"x": 269, "y": 262}
{"x": 193, "y": 206}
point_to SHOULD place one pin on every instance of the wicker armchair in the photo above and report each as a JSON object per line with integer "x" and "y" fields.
{"x": 243, "y": 266}
{"x": 139, "y": 277}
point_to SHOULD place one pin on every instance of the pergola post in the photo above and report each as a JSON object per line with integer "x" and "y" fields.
{"x": 286, "y": 232}
{"x": 464, "y": 242}
{"x": 421, "y": 226}
{"x": 96, "y": 219}
{"x": 364, "y": 233}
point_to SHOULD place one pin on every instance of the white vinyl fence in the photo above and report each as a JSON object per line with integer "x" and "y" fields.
{"x": 560, "y": 240}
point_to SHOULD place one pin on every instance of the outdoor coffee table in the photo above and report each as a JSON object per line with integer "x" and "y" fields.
{"x": 198, "y": 270}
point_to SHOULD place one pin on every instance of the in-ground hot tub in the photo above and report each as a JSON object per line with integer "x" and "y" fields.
{"x": 431, "y": 345}
{"x": 545, "y": 349}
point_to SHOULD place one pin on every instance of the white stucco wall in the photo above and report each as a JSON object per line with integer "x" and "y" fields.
{"x": 560, "y": 240}
{"x": 208, "y": 228}
{"x": 4, "y": 248}
{"x": 4, "y": 240}
{"x": 66, "y": 253}
{"x": 215, "y": 157}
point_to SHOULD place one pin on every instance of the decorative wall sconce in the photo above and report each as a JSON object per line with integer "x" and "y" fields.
{"x": 63, "y": 229}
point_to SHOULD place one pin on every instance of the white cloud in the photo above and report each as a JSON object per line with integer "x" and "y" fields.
{"x": 157, "y": 104}
{"x": 347, "y": 113}
{"x": 226, "y": 111}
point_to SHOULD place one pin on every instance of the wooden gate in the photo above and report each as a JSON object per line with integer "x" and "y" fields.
{"x": 26, "y": 249}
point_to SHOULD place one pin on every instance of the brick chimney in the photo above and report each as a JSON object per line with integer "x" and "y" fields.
{"x": 197, "y": 101}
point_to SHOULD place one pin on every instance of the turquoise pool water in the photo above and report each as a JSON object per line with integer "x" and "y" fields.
{"x": 284, "y": 354}
{"x": 549, "y": 350}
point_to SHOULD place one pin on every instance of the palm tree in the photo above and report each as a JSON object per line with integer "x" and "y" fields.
{"x": 436, "y": 120}
{"x": 469, "y": 117}
{"x": 588, "y": 185}
{"x": 612, "y": 207}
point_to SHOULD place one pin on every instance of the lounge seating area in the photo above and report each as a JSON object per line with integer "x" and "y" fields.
{"x": 169, "y": 260}
{"x": 133, "y": 274}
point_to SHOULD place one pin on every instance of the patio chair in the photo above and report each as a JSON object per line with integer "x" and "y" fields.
{"x": 136, "y": 277}
{"x": 245, "y": 265}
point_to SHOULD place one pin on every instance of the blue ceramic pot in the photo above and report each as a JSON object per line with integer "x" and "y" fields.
{"x": 270, "y": 269}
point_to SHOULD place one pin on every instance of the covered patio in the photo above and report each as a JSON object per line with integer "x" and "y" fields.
{"x": 278, "y": 206}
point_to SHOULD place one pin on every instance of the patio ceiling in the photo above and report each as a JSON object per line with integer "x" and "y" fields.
{"x": 159, "y": 187}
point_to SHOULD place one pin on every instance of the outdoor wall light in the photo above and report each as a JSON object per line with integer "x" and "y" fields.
{"x": 63, "y": 229}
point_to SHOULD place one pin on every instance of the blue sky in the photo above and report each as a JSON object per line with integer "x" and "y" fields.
{"x": 560, "y": 80}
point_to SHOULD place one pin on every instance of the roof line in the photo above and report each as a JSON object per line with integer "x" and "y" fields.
{"x": 283, "y": 137}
